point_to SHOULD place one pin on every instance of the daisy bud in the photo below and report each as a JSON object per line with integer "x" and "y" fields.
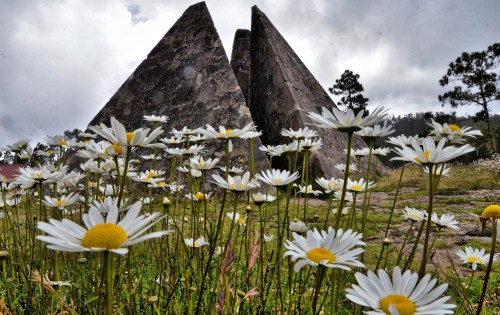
{"x": 166, "y": 202}
{"x": 153, "y": 299}
{"x": 248, "y": 209}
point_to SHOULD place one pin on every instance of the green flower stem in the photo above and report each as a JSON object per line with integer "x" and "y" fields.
{"x": 433, "y": 241}
{"x": 346, "y": 178}
{"x": 213, "y": 246}
{"x": 400, "y": 254}
{"x": 489, "y": 267}
{"x": 124, "y": 176}
{"x": 108, "y": 281}
{"x": 351, "y": 222}
{"x": 278, "y": 252}
{"x": 317, "y": 288}
{"x": 415, "y": 245}
{"x": 423, "y": 263}
{"x": 364, "y": 208}
{"x": 465, "y": 296}
{"x": 394, "y": 202}
{"x": 328, "y": 210}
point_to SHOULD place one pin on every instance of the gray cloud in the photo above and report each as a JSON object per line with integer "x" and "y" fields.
{"x": 62, "y": 61}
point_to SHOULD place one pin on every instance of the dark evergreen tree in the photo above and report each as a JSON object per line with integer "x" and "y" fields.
{"x": 475, "y": 76}
{"x": 349, "y": 88}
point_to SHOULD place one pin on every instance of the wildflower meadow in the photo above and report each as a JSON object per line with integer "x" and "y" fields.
{"x": 118, "y": 233}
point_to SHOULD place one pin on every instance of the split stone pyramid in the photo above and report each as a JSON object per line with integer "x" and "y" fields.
{"x": 188, "y": 78}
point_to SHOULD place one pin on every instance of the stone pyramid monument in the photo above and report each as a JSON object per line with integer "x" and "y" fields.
{"x": 188, "y": 78}
{"x": 282, "y": 91}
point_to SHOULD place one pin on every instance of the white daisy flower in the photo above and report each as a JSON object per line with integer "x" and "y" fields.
{"x": 359, "y": 153}
{"x": 473, "y": 256}
{"x": 61, "y": 202}
{"x": 30, "y": 176}
{"x": 347, "y": 121}
{"x": 403, "y": 295}
{"x": 381, "y": 151}
{"x": 341, "y": 167}
{"x": 199, "y": 196}
{"x": 376, "y": 131}
{"x": 236, "y": 218}
{"x": 404, "y": 141}
{"x": 196, "y": 243}
{"x": 260, "y": 198}
{"x": 156, "y": 119}
{"x": 429, "y": 153}
{"x": 117, "y": 134}
{"x": 333, "y": 249}
{"x": 452, "y": 132}
{"x": 198, "y": 163}
{"x": 18, "y": 145}
{"x": 99, "y": 233}
{"x": 414, "y": 214}
{"x": 107, "y": 204}
{"x": 233, "y": 170}
{"x": 224, "y": 133}
{"x": 439, "y": 170}
{"x": 269, "y": 238}
{"x": 276, "y": 177}
{"x": 330, "y": 185}
{"x": 236, "y": 183}
{"x": 300, "y": 134}
{"x": 359, "y": 185}
{"x": 311, "y": 145}
{"x": 173, "y": 140}
{"x": 308, "y": 190}
{"x": 446, "y": 221}
{"x": 298, "y": 226}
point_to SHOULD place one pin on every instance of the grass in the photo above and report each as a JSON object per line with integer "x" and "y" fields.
{"x": 165, "y": 276}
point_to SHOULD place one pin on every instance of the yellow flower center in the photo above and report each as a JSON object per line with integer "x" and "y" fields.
{"x": 116, "y": 147}
{"x": 152, "y": 174}
{"x": 426, "y": 154}
{"x": 321, "y": 254}
{"x": 415, "y": 216}
{"x": 454, "y": 127}
{"x": 50, "y": 152}
{"x": 227, "y": 133}
{"x": 492, "y": 211}
{"x": 104, "y": 235}
{"x": 403, "y": 304}
{"x": 130, "y": 135}
{"x": 276, "y": 181}
{"x": 201, "y": 164}
{"x": 356, "y": 187}
{"x": 60, "y": 203}
{"x": 200, "y": 196}
{"x": 63, "y": 142}
{"x": 162, "y": 184}
{"x": 472, "y": 259}
{"x": 38, "y": 175}
{"x": 241, "y": 221}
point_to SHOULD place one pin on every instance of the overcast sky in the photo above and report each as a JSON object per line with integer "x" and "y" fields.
{"x": 61, "y": 61}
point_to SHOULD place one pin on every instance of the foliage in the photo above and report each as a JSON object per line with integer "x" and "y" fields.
{"x": 476, "y": 78}
{"x": 350, "y": 89}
